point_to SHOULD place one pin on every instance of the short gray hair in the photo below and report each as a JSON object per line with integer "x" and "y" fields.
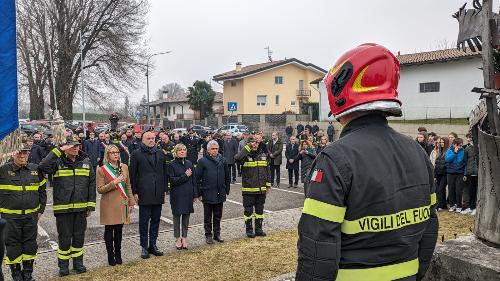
{"x": 212, "y": 143}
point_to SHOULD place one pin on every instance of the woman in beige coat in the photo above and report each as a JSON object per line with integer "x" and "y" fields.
{"x": 117, "y": 202}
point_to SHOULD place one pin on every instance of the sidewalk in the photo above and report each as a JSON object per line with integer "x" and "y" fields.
{"x": 95, "y": 253}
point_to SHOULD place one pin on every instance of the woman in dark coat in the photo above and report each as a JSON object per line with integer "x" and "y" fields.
{"x": 182, "y": 194}
{"x": 307, "y": 154}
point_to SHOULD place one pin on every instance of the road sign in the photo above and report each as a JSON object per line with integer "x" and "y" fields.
{"x": 232, "y": 106}
{"x": 137, "y": 115}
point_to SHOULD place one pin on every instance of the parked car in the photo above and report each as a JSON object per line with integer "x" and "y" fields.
{"x": 28, "y": 129}
{"x": 233, "y": 129}
{"x": 200, "y": 130}
{"x": 181, "y": 131}
{"x": 103, "y": 127}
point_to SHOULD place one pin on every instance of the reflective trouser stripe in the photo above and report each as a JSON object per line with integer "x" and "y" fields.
{"x": 382, "y": 273}
{"x": 63, "y": 255}
{"x": 246, "y": 218}
{"x": 268, "y": 184}
{"x": 257, "y": 216}
{"x": 16, "y": 260}
{"x": 323, "y": 210}
{"x": 76, "y": 252}
{"x": 28, "y": 257}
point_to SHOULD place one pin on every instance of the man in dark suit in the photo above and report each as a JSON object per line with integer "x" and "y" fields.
{"x": 230, "y": 148}
{"x": 92, "y": 149}
{"x": 291, "y": 153}
{"x": 275, "y": 148}
{"x": 148, "y": 176}
{"x": 192, "y": 144}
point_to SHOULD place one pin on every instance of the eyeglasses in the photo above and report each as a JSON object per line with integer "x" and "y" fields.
{"x": 114, "y": 152}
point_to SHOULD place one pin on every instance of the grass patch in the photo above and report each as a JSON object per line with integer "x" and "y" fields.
{"x": 246, "y": 259}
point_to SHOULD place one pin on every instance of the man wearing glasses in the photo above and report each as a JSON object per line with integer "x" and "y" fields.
{"x": 74, "y": 193}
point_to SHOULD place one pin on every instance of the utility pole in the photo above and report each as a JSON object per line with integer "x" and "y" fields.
{"x": 147, "y": 81}
{"x": 488, "y": 67}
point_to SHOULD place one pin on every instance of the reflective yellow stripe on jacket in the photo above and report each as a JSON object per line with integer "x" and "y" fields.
{"x": 324, "y": 210}
{"x": 74, "y": 206}
{"x": 254, "y": 189}
{"x": 381, "y": 273}
{"x": 69, "y": 173}
{"x": 19, "y": 212}
{"x": 34, "y": 187}
{"x": 260, "y": 163}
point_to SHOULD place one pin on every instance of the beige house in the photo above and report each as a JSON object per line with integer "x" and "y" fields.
{"x": 271, "y": 88}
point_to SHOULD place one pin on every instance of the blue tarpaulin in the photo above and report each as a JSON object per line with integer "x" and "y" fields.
{"x": 9, "y": 120}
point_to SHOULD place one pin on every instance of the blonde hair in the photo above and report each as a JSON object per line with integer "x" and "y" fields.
{"x": 177, "y": 147}
{"x": 105, "y": 160}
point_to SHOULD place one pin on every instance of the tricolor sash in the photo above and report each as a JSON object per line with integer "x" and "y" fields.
{"x": 111, "y": 175}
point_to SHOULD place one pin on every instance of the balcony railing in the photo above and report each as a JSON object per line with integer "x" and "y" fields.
{"x": 303, "y": 93}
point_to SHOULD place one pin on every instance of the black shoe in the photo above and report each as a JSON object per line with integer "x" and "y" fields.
{"x": 118, "y": 257}
{"x": 296, "y": 185}
{"x": 15, "y": 270}
{"x": 110, "y": 252}
{"x": 218, "y": 239}
{"x": 209, "y": 240}
{"x": 63, "y": 267}
{"x": 249, "y": 229}
{"x": 155, "y": 251}
{"x": 144, "y": 253}
{"x": 233, "y": 181}
{"x": 78, "y": 265}
{"x": 28, "y": 270}
{"x": 258, "y": 228}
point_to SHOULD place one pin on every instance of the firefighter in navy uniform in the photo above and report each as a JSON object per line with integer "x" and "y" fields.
{"x": 74, "y": 193}
{"x": 22, "y": 202}
{"x": 369, "y": 213}
{"x": 256, "y": 182}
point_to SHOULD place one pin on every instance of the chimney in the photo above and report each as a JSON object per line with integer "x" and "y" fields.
{"x": 399, "y": 53}
{"x": 238, "y": 66}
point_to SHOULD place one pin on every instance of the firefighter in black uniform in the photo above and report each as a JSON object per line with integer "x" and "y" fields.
{"x": 369, "y": 212}
{"x": 256, "y": 181}
{"x": 74, "y": 193}
{"x": 23, "y": 198}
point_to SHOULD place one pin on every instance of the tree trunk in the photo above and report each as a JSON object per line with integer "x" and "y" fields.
{"x": 36, "y": 106}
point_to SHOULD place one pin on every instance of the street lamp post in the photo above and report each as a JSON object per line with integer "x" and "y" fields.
{"x": 147, "y": 82}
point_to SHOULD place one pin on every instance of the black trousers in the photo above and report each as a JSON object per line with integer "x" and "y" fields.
{"x": 291, "y": 172}
{"x": 181, "y": 221}
{"x": 253, "y": 204}
{"x": 441, "y": 181}
{"x": 275, "y": 171}
{"x": 20, "y": 241}
{"x": 238, "y": 167}
{"x": 212, "y": 215}
{"x": 113, "y": 235}
{"x": 71, "y": 230}
{"x": 232, "y": 169}
{"x": 330, "y": 138}
{"x": 455, "y": 188}
{"x": 471, "y": 184}
{"x": 149, "y": 223}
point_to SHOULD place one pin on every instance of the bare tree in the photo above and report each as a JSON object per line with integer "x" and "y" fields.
{"x": 170, "y": 89}
{"x": 107, "y": 35}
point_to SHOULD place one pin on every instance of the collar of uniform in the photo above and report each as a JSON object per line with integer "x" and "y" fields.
{"x": 374, "y": 119}
{"x": 16, "y": 168}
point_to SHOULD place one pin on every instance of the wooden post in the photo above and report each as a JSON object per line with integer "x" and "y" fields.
{"x": 488, "y": 67}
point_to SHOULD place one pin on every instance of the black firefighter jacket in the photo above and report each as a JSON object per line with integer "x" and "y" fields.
{"x": 73, "y": 182}
{"x": 22, "y": 190}
{"x": 370, "y": 204}
{"x": 148, "y": 175}
{"x": 255, "y": 173}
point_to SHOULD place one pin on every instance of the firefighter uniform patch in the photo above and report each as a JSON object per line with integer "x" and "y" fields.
{"x": 11, "y": 173}
{"x": 317, "y": 175}
{"x": 86, "y": 166}
{"x": 34, "y": 173}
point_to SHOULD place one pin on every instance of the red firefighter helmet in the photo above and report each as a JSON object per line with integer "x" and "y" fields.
{"x": 364, "y": 79}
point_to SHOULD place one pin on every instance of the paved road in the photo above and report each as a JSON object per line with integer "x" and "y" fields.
{"x": 278, "y": 199}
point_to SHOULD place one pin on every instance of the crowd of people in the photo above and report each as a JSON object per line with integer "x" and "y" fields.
{"x": 455, "y": 170}
{"x": 131, "y": 169}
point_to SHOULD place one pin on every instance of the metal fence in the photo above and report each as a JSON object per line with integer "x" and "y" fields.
{"x": 434, "y": 113}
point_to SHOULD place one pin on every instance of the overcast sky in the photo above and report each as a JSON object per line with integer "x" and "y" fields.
{"x": 207, "y": 37}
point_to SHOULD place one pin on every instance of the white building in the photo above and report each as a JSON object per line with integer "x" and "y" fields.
{"x": 433, "y": 84}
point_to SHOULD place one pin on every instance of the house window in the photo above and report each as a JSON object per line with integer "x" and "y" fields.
{"x": 429, "y": 87}
{"x": 168, "y": 111}
{"x": 278, "y": 79}
{"x": 261, "y": 100}
{"x": 293, "y": 103}
{"x": 277, "y": 99}
{"x": 173, "y": 109}
{"x": 233, "y": 83}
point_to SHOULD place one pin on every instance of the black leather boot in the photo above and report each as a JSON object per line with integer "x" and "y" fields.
{"x": 110, "y": 250}
{"x": 258, "y": 228}
{"x": 249, "y": 228}
{"x": 63, "y": 267}
{"x": 28, "y": 270}
{"x": 78, "y": 265}
{"x": 118, "y": 247}
{"x": 15, "y": 270}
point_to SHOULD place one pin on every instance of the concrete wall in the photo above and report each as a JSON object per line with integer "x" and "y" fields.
{"x": 246, "y": 90}
{"x": 453, "y": 100}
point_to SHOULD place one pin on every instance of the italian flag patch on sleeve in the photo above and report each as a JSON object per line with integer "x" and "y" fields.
{"x": 317, "y": 175}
